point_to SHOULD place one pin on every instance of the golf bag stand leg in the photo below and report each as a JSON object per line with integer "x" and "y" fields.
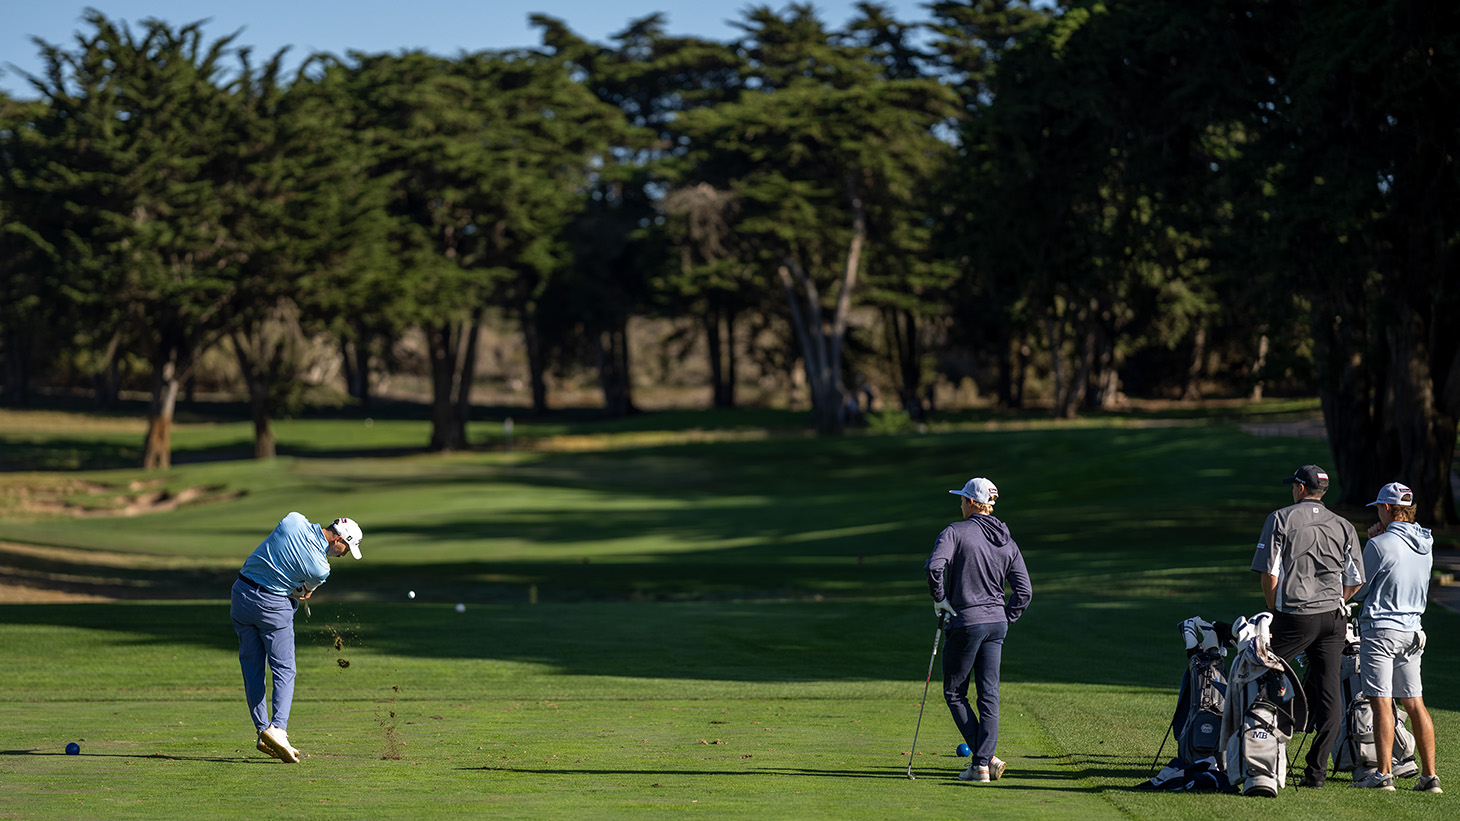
{"x": 937, "y": 639}
{"x": 1162, "y": 749}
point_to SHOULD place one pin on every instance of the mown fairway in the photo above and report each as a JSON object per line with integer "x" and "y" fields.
{"x": 727, "y": 621}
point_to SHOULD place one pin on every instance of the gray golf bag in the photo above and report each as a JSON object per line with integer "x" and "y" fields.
{"x": 1265, "y": 707}
{"x": 1355, "y": 749}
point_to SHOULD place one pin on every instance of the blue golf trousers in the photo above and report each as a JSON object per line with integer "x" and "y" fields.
{"x": 972, "y": 656}
{"x": 265, "y": 626}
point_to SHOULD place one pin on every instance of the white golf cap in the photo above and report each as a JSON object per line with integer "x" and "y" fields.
{"x": 350, "y": 532}
{"x": 979, "y": 490}
{"x": 1394, "y": 494}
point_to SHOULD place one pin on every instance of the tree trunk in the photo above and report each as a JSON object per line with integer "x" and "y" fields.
{"x": 1190, "y": 391}
{"x": 729, "y": 375}
{"x": 719, "y": 385}
{"x": 251, "y": 365}
{"x": 106, "y": 382}
{"x": 263, "y": 431}
{"x": 1007, "y": 355}
{"x": 1104, "y": 382}
{"x": 1021, "y": 380}
{"x": 347, "y": 362}
{"x": 1080, "y": 379}
{"x": 362, "y": 371}
{"x": 1259, "y": 369}
{"x": 1425, "y": 432}
{"x": 827, "y": 404}
{"x": 468, "y": 374}
{"x": 822, "y": 347}
{"x": 17, "y": 368}
{"x": 1054, "y": 334}
{"x": 536, "y": 364}
{"x": 444, "y": 343}
{"x": 902, "y": 341}
{"x": 613, "y": 368}
{"x": 1352, "y": 402}
{"x": 157, "y": 448}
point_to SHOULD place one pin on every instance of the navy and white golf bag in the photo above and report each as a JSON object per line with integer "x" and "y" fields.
{"x": 1197, "y": 723}
{"x": 1265, "y": 707}
{"x": 1355, "y": 749}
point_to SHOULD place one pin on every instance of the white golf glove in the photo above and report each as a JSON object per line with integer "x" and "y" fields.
{"x": 942, "y": 608}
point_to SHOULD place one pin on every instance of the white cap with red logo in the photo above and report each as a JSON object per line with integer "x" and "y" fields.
{"x": 979, "y": 490}
{"x": 1394, "y": 494}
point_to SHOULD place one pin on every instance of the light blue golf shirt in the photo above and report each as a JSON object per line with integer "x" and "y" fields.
{"x": 293, "y": 554}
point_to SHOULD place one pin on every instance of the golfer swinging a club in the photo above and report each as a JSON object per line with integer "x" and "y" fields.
{"x": 283, "y": 570}
{"x": 970, "y": 564}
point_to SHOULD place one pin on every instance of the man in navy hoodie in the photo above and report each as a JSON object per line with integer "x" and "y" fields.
{"x": 971, "y": 561}
{"x": 1397, "y": 563}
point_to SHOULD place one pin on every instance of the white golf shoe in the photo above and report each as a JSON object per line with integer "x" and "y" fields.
{"x": 266, "y": 749}
{"x": 983, "y": 775}
{"x": 278, "y": 743}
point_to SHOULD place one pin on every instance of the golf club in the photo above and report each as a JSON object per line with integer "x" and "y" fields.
{"x": 937, "y": 638}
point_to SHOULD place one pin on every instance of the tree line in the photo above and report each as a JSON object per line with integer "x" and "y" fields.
{"x": 1142, "y": 196}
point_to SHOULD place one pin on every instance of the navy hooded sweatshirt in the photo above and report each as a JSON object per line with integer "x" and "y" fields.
{"x": 970, "y": 563}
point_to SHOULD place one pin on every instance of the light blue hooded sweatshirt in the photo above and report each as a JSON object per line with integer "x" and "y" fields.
{"x": 1397, "y": 578}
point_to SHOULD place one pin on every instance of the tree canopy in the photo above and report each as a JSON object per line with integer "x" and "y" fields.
{"x": 1061, "y": 204}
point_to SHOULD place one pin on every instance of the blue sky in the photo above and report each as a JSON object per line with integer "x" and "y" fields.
{"x": 443, "y": 27}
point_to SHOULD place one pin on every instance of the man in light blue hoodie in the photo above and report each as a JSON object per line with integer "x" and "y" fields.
{"x": 1397, "y": 563}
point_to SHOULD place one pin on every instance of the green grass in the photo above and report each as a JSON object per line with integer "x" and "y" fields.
{"x": 735, "y": 628}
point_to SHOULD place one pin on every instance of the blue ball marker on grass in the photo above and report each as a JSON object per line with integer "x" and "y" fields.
{"x": 73, "y": 749}
{"x": 963, "y": 751}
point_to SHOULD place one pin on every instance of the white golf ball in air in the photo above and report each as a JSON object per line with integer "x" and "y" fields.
{"x": 411, "y": 595}
{"x": 460, "y": 608}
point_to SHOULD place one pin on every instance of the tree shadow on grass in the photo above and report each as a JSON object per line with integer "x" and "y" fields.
{"x": 1068, "y": 783}
{"x": 240, "y": 759}
{"x": 889, "y": 774}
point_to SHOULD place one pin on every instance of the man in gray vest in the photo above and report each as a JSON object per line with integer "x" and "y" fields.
{"x": 1309, "y": 560}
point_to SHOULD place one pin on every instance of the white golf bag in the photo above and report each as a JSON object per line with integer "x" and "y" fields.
{"x": 1355, "y": 749}
{"x": 1265, "y": 707}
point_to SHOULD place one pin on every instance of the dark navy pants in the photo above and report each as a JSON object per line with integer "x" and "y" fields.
{"x": 265, "y": 626}
{"x": 972, "y": 656}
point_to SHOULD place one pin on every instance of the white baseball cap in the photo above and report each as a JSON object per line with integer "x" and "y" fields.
{"x": 1394, "y": 494}
{"x": 348, "y": 530}
{"x": 979, "y": 490}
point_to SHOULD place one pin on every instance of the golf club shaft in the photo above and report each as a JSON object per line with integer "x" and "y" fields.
{"x": 937, "y": 638}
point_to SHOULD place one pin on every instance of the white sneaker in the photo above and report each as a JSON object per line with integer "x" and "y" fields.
{"x": 1428, "y": 783}
{"x": 978, "y": 775}
{"x": 996, "y": 768}
{"x": 1376, "y": 781}
{"x": 278, "y": 742}
{"x": 266, "y": 749}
